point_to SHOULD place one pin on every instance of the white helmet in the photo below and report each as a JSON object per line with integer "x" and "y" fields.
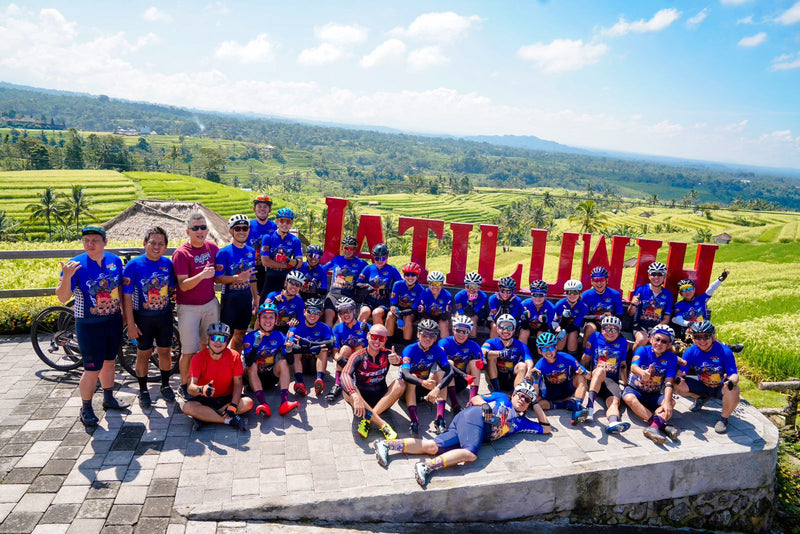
{"x": 573, "y": 285}
{"x": 462, "y": 321}
{"x": 611, "y": 320}
{"x": 473, "y": 278}
{"x": 436, "y": 276}
{"x": 657, "y": 268}
{"x": 296, "y": 276}
{"x": 526, "y": 388}
{"x": 663, "y": 329}
{"x": 506, "y": 318}
{"x": 236, "y": 219}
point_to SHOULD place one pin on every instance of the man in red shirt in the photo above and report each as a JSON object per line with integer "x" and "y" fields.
{"x": 197, "y": 303}
{"x": 215, "y": 381}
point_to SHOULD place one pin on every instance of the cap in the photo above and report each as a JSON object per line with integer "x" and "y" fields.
{"x": 88, "y": 230}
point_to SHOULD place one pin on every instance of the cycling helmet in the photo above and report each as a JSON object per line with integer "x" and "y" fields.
{"x": 573, "y": 285}
{"x": 284, "y": 213}
{"x": 428, "y": 325}
{"x": 267, "y": 307}
{"x": 236, "y": 219}
{"x": 703, "y": 327}
{"x": 473, "y": 278}
{"x": 345, "y": 303}
{"x": 219, "y": 328}
{"x": 657, "y": 268}
{"x": 539, "y": 286}
{"x": 262, "y": 199}
{"x": 436, "y": 276}
{"x": 527, "y": 389}
{"x": 664, "y": 330}
{"x": 546, "y": 339}
{"x": 314, "y": 304}
{"x": 685, "y": 283}
{"x": 380, "y": 250}
{"x": 462, "y": 321}
{"x": 349, "y": 241}
{"x": 411, "y": 267}
{"x": 506, "y": 318}
{"x": 314, "y": 250}
{"x": 296, "y": 276}
{"x": 611, "y": 320}
{"x": 599, "y": 272}
{"x": 507, "y": 283}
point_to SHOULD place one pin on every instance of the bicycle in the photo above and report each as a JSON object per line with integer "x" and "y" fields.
{"x": 55, "y": 343}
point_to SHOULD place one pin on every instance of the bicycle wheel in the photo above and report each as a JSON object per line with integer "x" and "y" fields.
{"x": 128, "y": 352}
{"x": 54, "y": 339}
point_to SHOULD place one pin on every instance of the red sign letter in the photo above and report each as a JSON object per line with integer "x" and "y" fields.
{"x": 369, "y": 228}
{"x": 419, "y": 246}
{"x": 458, "y": 255}
{"x": 334, "y": 228}
{"x": 703, "y": 263}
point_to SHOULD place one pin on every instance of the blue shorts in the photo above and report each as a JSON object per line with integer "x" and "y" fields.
{"x": 466, "y": 431}
{"x": 651, "y": 401}
{"x": 556, "y": 392}
{"x": 99, "y": 342}
{"x": 154, "y": 327}
{"x": 237, "y": 310}
{"x": 702, "y": 390}
{"x": 377, "y": 304}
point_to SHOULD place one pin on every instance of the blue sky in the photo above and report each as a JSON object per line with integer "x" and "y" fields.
{"x": 713, "y": 80}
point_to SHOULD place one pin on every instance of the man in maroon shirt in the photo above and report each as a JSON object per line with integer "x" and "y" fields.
{"x": 197, "y": 303}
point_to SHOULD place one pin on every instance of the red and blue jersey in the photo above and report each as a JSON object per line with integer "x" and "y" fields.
{"x": 352, "y": 336}
{"x": 436, "y": 306}
{"x": 507, "y": 418}
{"x": 605, "y": 355}
{"x": 232, "y": 260}
{"x": 517, "y": 352}
{"x": 664, "y": 367}
{"x": 711, "y": 367}
{"x": 364, "y": 372}
{"x": 420, "y": 361}
{"x": 561, "y": 370}
{"x": 381, "y": 279}
{"x": 609, "y": 302}
{"x": 462, "y": 354}
{"x": 264, "y": 351}
{"x": 288, "y": 309}
{"x": 96, "y": 288}
{"x": 149, "y": 283}
{"x": 404, "y": 297}
{"x": 652, "y": 308}
{"x": 478, "y": 305}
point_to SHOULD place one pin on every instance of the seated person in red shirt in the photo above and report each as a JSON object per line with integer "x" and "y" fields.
{"x": 215, "y": 380}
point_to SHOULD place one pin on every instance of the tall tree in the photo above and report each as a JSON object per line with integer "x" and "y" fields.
{"x": 588, "y": 214}
{"x": 47, "y": 208}
{"x": 75, "y": 204}
{"x": 9, "y": 228}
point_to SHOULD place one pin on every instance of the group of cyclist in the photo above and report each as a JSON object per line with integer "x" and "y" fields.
{"x": 301, "y": 322}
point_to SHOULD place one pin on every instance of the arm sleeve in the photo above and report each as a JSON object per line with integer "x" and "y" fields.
{"x": 408, "y": 376}
{"x": 713, "y": 287}
{"x": 349, "y": 373}
{"x": 679, "y": 320}
{"x": 448, "y": 369}
{"x": 523, "y": 425}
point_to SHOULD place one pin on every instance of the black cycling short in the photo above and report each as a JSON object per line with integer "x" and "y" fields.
{"x": 215, "y": 403}
{"x": 154, "y": 327}
{"x": 466, "y": 431}
{"x": 332, "y": 299}
{"x": 267, "y": 379}
{"x": 570, "y": 328}
{"x": 260, "y": 276}
{"x": 237, "y": 310}
{"x": 610, "y": 388}
{"x": 459, "y": 382}
{"x": 99, "y": 341}
{"x": 506, "y": 380}
{"x": 373, "y": 396}
{"x": 375, "y": 304}
{"x": 274, "y": 280}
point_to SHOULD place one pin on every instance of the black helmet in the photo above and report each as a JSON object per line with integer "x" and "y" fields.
{"x": 703, "y": 327}
{"x": 380, "y": 250}
{"x": 349, "y": 241}
{"x": 507, "y": 283}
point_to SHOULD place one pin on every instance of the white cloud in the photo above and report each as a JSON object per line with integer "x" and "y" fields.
{"x": 745, "y": 20}
{"x": 390, "y": 51}
{"x": 341, "y": 34}
{"x": 146, "y": 40}
{"x": 324, "y": 53}
{"x": 662, "y": 19}
{"x": 733, "y": 2}
{"x": 562, "y": 55}
{"x": 781, "y": 136}
{"x": 445, "y": 27}
{"x": 153, "y": 14}
{"x": 699, "y": 18}
{"x": 786, "y": 62}
{"x": 737, "y": 127}
{"x": 258, "y": 50}
{"x": 753, "y": 40}
{"x": 217, "y": 8}
{"x": 424, "y": 58}
{"x": 790, "y": 16}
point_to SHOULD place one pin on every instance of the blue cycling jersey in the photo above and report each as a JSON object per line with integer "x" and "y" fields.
{"x": 542, "y": 316}
{"x": 232, "y": 260}
{"x": 273, "y": 245}
{"x": 711, "y": 367}
{"x": 516, "y": 352}
{"x": 576, "y": 313}
{"x": 345, "y": 273}
{"x": 382, "y": 280}
{"x": 652, "y": 308}
{"x": 288, "y": 309}
{"x": 436, "y": 307}
{"x": 561, "y": 370}
{"x": 149, "y": 283}
{"x": 478, "y": 306}
{"x": 263, "y": 350}
{"x": 316, "y": 278}
{"x": 507, "y": 418}
{"x": 96, "y": 288}
{"x": 462, "y": 354}
{"x": 693, "y": 310}
{"x": 352, "y": 336}
{"x": 257, "y": 232}
{"x": 512, "y": 306}
{"x": 605, "y": 355}
{"x": 404, "y": 297}
{"x": 664, "y": 367}
{"x": 607, "y": 303}
{"x": 420, "y": 361}
{"x": 319, "y": 332}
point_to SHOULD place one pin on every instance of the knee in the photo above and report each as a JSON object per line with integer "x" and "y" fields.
{"x": 245, "y": 405}
{"x": 469, "y": 456}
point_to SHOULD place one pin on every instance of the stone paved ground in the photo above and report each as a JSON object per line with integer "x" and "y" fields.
{"x": 136, "y": 468}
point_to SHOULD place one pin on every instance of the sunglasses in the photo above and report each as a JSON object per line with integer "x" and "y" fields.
{"x": 506, "y": 328}
{"x": 198, "y": 227}
{"x": 658, "y": 275}
{"x": 376, "y": 337}
{"x": 313, "y": 311}
{"x": 505, "y": 291}
{"x": 428, "y": 334}
{"x": 241, "y": 228}
{"x": 473, "y": 286}
{"x": 435, "y": 284}
{"x": 461, "y": 331}
{"x": 610, "y": 329}
{"x": 312, "y": 256}
{"x": 380, "y": 258}
{"x": 218, "y": 338}
{"x": 598, "y": 279}
{"x": 410, "y": 274}
{"x": 349, "y": 248}
{"x": 684, "y": 289}
{"x": 538, "y": 295}
{"x": 525, "y": 398}
{"x": 548, "y": 348}
{"x": 701, "y": 337}
{"x": 661, "y": 340}
{"x": 571, "y": 292}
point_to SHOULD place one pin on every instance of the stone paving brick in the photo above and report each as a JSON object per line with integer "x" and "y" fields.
{"x": 131, "y": 495}
{"x": 117, "y": 529}
{"x": 51, "y": 528}
{"x": 47, "y": 483}
{"x": 166, "y": 487}
{"x": 20, "y": 522}
{"x": 95, "y": 508}
{"x": 152, "y": 525}
{"x": 86, "y": 526}
{"x": 60, "y": 513}
{"x": 103, "y": 490}
{"x": 157, "y": 507}
{"x": 124, "y": 514}
{"x": 71, "y": 494}
{"x": 21, "y": 475}
{"x": 34, "y": 502}
{"x": 12, "y": 492}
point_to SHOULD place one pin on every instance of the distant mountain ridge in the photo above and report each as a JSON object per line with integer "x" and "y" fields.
{"x": 529, "y": 142}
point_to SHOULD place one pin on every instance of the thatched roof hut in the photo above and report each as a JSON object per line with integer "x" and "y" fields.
{"x": 169, "y": 215}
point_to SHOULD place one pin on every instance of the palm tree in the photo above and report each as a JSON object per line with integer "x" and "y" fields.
{"x": 538, "y": 217}
{"x": 75, "y": 204}
{"x": 9, "y": 228}
{"x": 548, "y": 201}
{"x": 588, "y": 215}
{"x": 47, "y": 208}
